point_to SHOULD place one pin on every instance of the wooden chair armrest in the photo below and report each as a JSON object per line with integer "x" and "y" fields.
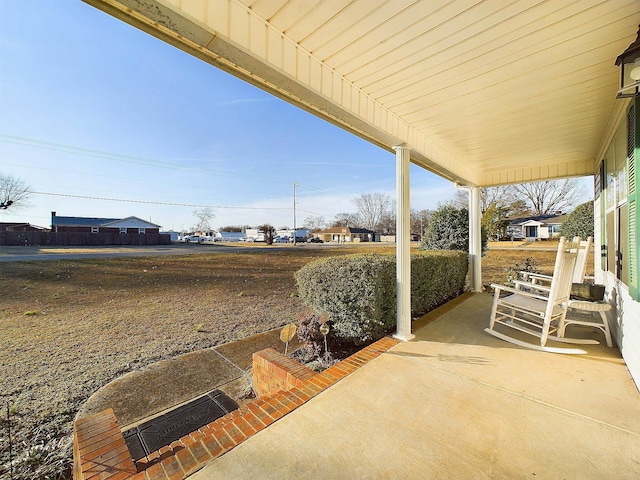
{"x": 498, "y": 287}
{"x": 535, "y": 286}
{"x": 539, "y": 276}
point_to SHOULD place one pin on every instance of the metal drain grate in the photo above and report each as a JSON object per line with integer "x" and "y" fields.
{"x": 160, "y": 431}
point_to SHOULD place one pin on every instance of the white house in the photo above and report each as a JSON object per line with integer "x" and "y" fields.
{"x": 541, "y": 227}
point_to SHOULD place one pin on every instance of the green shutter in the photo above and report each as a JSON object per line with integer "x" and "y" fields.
{"x": 632, "y": 199}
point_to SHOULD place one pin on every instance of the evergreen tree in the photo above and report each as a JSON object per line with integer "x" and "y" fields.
{"x": 579, "y": 222}
{"x": 494, "y": 221}
{"x": 449, "y": 230}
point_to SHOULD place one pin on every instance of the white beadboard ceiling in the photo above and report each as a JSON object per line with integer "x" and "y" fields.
{"x": 484, "y": 92}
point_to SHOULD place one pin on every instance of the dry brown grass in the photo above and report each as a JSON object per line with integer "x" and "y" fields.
{"x": 69, "y": 327}
{"x": 496, "y": 263}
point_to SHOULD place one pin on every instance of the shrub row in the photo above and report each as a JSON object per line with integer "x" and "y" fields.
{"x": 357, "y": 293}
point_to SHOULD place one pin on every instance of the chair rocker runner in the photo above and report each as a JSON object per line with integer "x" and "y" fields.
{"x": 538, "y": 314}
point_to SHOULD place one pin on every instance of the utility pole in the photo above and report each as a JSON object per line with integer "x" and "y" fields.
{"x": 294, "y": 214}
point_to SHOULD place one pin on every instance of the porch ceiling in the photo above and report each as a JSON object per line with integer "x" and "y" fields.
{"x": 484, "y": 92}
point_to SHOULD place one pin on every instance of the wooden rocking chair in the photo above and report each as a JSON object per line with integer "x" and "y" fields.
{"x": 539, "y": 314}
{"x": 579, "y": 271}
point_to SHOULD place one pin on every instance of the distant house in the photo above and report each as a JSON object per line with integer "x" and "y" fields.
{"x": 20, "y": 227}
{"x": 103, "y": 225}
{"x": 347, "y": 234}
{"x": 540, "y": 227}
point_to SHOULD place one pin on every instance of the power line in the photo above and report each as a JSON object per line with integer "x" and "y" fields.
{"x": 59, "y": 147}
{"x": 149, "y": 202}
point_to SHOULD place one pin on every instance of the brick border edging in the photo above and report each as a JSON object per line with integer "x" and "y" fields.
{"x": 192, "y": 452}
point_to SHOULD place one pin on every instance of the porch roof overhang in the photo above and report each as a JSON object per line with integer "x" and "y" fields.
{"x": 484, "y": 93}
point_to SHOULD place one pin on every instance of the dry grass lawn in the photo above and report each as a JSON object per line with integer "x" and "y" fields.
{"x": 69, "y": 327}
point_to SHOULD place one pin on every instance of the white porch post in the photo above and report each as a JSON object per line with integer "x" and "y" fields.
{"x": 403, "y": 245}
{"x": 475, "y": 239}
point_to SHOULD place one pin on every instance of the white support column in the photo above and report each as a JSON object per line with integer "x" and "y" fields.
{"x": 403, "y": 244}
{"x": 475, "y": 239}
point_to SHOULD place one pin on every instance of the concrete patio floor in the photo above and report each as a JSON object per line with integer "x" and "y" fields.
{"x": 457, "y": 403}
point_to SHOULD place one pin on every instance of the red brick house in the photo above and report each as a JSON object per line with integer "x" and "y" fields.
{"x": 20, "y": 227}
{"x": 126, "y": 225}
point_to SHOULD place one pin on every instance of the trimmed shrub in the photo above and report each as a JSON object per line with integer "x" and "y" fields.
{"x": 357, "y": 293}
{"x": 579, "y": 222}
{"x": 436, "y": 277}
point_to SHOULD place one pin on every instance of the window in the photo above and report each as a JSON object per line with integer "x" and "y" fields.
{"x": 95, "y": 229}
{"x": 142, "y": 231}
{"x": 616, "y": 190}
{"x": 123, "y": 229}
{"x": 615, "y": 166}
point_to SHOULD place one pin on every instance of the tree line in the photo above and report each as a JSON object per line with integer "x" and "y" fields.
{"x": 376, "y": 211}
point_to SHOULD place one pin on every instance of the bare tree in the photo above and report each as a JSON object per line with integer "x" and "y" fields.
{"x": 314, "y": 222}
{"x": 269, "y": 233}
{"x": 519, "y": 208}
{"x": 420, "y": 220}
{"x": 500, "y": 196}
{"x": 536, "y": 198}
{"x": 372, "y": 207}
{"x": 204, "y": 216}
{"x": 387, "y": 223}
{"x": 551, "y": 196}
{"x": 13, "y": 192}
{"x": 233, "y": 228}
{"x": 345, "y": 219}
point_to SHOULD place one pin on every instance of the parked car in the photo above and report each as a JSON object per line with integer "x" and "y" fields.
{"x": 315, "y": 240}
{"x": 279, "y": 239}
{"x": 298, "y": 239}
{"x": 194, "y": 239}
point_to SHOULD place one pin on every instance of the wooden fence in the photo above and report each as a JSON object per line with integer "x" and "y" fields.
{"x": 81, "y": 239}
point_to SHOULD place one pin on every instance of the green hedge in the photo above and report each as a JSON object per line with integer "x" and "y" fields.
{"x": 358, "y": 292}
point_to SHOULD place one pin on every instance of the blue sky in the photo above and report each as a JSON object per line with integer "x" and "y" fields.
{"x": 94, "y": 109}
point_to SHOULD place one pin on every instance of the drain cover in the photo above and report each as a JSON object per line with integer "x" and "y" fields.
{"x": 160, "y": 431}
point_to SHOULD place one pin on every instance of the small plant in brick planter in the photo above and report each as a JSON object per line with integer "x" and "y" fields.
{"x": 530, "y": 265}
{"x": 313, "y": 353}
